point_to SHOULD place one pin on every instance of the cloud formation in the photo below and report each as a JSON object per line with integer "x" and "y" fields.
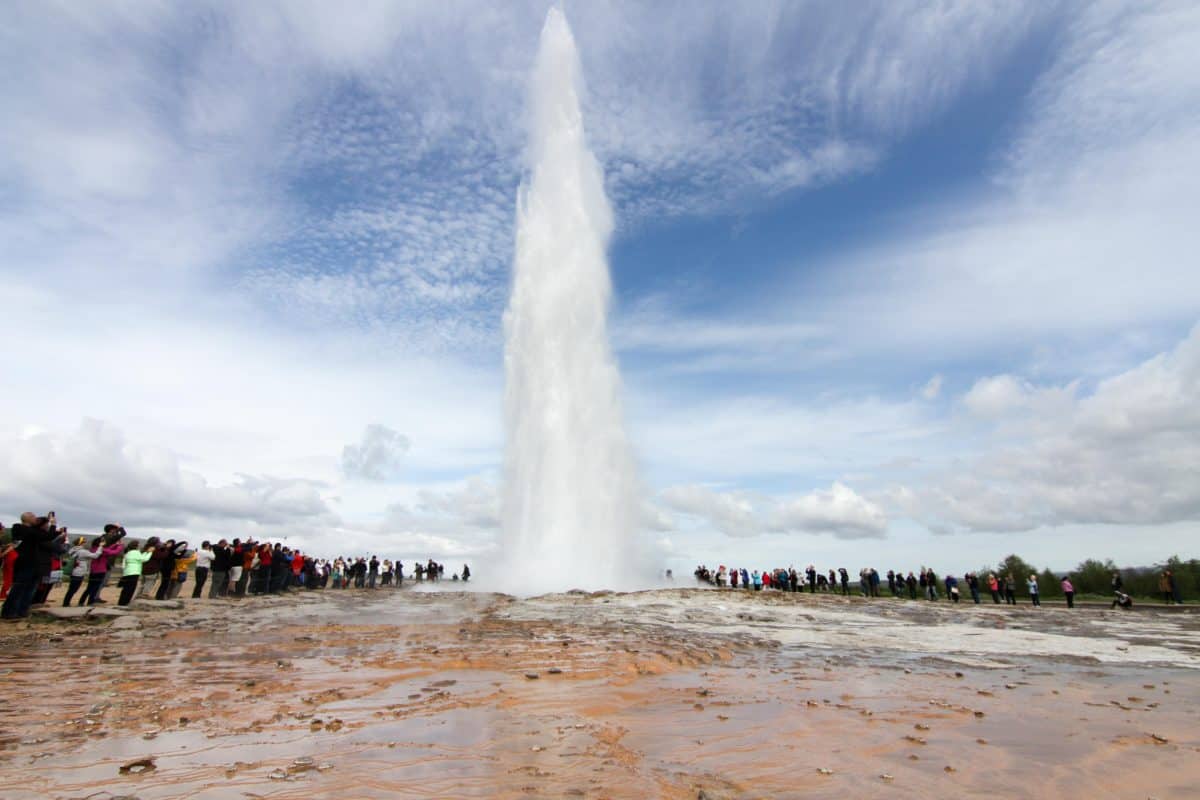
{"x": 377, "y": 456}
{"x": 838, "y": 511}
{"x": 95, "y": 475}
{"x": 1127, "y": 453}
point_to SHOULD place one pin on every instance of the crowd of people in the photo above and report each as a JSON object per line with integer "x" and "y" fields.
{"x": 925, "y": 583}
{"x": 37, "y": 555}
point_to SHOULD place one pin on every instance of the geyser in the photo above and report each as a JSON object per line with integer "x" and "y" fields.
{"x": 569, "y": 491}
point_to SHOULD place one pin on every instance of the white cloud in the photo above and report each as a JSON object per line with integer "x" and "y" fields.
{"x": 95, "y": 475}
{"x": 1127, "y": 453}
{"x": 933, "y": 388}
{"x": 838, "y": 511}
{"x": 377, "y": 456}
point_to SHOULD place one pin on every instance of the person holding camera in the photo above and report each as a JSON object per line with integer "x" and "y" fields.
{"x": 37, "y": 541}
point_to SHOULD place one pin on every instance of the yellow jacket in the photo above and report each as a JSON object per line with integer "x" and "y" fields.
{"x": 182, "y": 565}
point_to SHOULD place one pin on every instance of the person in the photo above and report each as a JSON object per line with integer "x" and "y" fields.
{"x": 911, "y": 583}
{"x": 1010, "y": 590}
{"x": 973, "y": 585}
{"x": 1123, "y": 600}
{"x": 1033, "y": 590}
{"x": 237, "y": 562}
{"x": 373, "y": 572}
{"x": 466, "y": 573}
{"x": 81, "y": 568}
{"x": 204, "y": 559}
{"x": 952, "y": 588}
{"x": 246, "y": 561}
{"x": 745, "y": 579}
{"x": 758, "y": 584}
{"x": 931, "y": 584}
{"x": 8, "y": 557}
{"x": 1164, "y": 586}
{"x": 994, "y": 587}
{"x": 1173, "y": 582}
{"x": 37, "y": 540}
{"x": 1068, "y": 590}
{"x": 131, "y": 569}
{"x": 844, "y": 575}
{"x": 150, "y": 570}
{"x": 1117, "y": 583}
{"x": 219, "y": 575}
{"x": 167, "y": 571}
{"x": 49, "y": 579}
{"x": 110, "y": 548}
{"x": 183, "y": 565}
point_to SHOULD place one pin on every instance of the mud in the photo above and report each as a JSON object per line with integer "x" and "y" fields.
{"x": 669, "y": 693}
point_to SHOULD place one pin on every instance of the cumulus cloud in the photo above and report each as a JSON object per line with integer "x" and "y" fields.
{"x": 838, "y": 510}
{"x": 377, "y": 456}
{"x": 1127, "y": 453}
{"x": 95, "y": 474}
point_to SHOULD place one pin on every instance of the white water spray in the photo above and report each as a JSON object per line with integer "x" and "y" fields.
{"x": 569, "y": 494}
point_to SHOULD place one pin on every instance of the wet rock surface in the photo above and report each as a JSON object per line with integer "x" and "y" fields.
{"x": 679, "y": 693}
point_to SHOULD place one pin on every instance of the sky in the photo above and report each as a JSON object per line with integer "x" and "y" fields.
{"x": 895, "y": 283}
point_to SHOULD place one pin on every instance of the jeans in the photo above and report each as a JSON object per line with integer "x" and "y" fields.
{"x": 91, "y": 594}
{"x": 1070, "y": 599}
{"x": 371, "y": 579}
{"x": 72, "y": 588}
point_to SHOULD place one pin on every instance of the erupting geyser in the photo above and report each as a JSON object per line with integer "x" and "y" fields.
{"x": 569, "y": 491}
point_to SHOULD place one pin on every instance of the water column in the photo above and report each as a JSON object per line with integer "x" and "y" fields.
{"x": 569, "y": 491}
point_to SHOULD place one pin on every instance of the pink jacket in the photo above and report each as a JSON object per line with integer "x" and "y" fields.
{"x": 100, "y": 562}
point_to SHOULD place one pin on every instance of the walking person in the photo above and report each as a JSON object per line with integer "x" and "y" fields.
{"x": 1068, "y": 590}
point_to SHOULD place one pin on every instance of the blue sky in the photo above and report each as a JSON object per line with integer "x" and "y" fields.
{"x": 897, "y": 282}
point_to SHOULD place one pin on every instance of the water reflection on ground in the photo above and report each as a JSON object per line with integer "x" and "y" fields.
{"x": 665, "y": 693}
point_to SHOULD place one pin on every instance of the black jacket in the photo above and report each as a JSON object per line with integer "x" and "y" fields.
{"x": 35, "y": 548}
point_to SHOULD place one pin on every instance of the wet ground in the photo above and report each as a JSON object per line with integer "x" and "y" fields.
{"x": 668, "y": 693}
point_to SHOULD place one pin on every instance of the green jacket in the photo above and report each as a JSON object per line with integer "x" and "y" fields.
{"x": 133, "y": 561}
